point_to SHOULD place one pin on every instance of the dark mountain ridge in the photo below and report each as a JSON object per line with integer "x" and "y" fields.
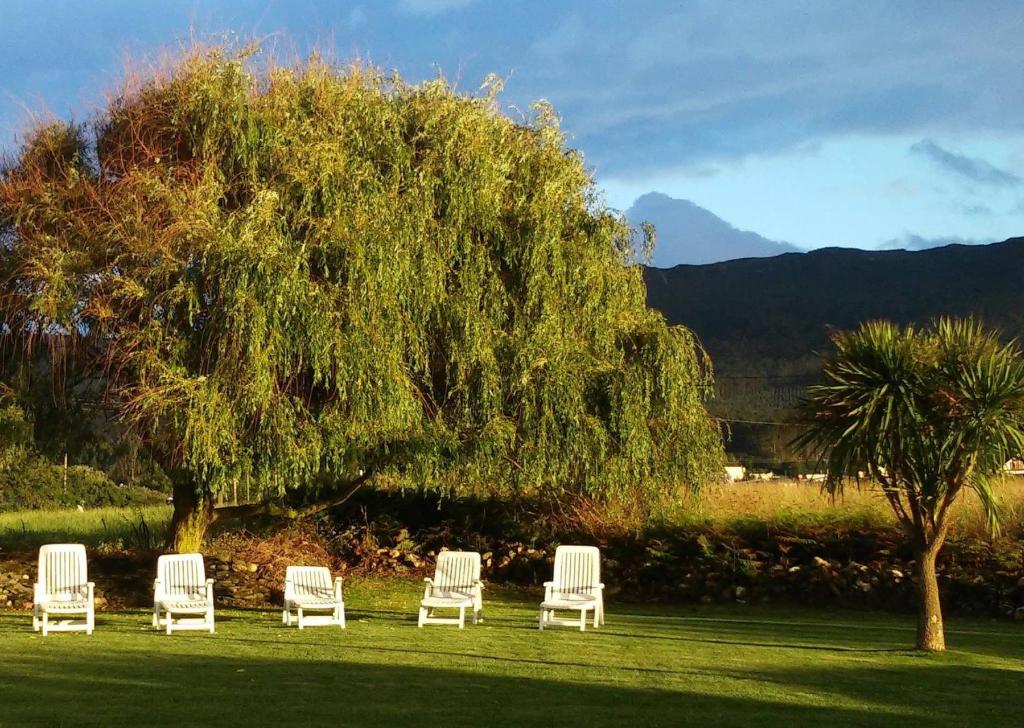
{"x": 755, "y": 313}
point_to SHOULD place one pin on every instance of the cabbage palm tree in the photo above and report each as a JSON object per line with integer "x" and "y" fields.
{"x": 929, "y": 413}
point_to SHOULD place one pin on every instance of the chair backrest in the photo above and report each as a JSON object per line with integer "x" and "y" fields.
{"x": 310, "y": 580}
{"x": 62, "y": 569}
{"x": 181, "y": 574}
{"x": 457, "y": 570}
{"x": 577, "y": 568}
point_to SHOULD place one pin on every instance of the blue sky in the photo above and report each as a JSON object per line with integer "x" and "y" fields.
{"x": 819, "y": 123}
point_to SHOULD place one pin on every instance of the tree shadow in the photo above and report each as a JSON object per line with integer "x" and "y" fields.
{"x": 183, "y": 689}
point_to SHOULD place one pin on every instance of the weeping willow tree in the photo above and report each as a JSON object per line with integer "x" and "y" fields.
{"x": 299, "y": 278}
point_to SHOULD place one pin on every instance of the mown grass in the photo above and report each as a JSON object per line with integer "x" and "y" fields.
{"x": 131, "y": 527}
{"x": 648, "y": 666}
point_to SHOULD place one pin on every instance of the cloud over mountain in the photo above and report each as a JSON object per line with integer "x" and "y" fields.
{"x": 973, "y": 168}
{"x": 918, "y": 242}
{"x": 687, "y": 233}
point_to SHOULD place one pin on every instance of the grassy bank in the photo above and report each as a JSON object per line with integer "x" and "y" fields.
{"x": 648, "y": 666}
{"x": 792, "y": 502}
{"x": 131, "y": 527}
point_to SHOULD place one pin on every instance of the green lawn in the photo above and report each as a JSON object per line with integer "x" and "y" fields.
{"x": 648, "y": 666}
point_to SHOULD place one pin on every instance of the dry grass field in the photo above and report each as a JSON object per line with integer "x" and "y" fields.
{"x": 794, "y": 501}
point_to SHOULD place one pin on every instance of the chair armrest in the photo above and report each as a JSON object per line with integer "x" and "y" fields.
{"x": 548, "y": 584}
{"x": 337, "y": 586}
{"x": 39, "y": 593}
{"x": 289, "y": 589}
{"x": 158, "y": 591}
{"x": 90, "y": 587}
{"x": 209, "y": 589}
{"x": 479, "y": 584}
{"x": 600, "y": 586}
{"x": 428, "y": 580}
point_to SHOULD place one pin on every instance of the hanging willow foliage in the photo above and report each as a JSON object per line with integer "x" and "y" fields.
{"x": 291, "y": 275}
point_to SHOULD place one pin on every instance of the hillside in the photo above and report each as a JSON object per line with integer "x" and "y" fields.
{"x": 782, "y": 308}
{"x": 764, "y": 319}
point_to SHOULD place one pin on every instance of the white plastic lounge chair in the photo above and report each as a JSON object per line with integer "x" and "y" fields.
{"x": 576, "y": 586}
{"x": 62, "y": 588}
{"x": 309, "y": 589}
{"x": 181, "y": 587}
{"x": 456, "y": 585}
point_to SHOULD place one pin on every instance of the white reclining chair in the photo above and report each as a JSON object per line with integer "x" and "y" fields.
{"x": 181, "y": 587}
{"x": 62, "y": 588}
{"x": 576, "y": 586}
{"x": 310, "y": 589}
{"x": 456, "y": 585}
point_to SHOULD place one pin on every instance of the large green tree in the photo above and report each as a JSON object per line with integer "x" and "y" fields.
{"x": 299, "y": 278}
{"x": 931, "y": 414}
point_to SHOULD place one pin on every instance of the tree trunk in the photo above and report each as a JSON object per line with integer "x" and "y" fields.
{"x": 193, "y": 514}
{"x": 930, "y": 634}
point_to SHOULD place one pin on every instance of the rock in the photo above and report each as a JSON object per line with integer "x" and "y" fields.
{"x": 741, "y": 592}
{"x": 820, "y": 562}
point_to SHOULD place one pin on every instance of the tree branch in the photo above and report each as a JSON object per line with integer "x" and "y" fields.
{"x": 279, "y": 510}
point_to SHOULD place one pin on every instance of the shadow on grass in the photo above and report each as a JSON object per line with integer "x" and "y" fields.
{"x": 182, "y": 689}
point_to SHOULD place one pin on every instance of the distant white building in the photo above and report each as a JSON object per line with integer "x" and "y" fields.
{"x": 1014, "y": 466}
{"x": 735, "y": 472}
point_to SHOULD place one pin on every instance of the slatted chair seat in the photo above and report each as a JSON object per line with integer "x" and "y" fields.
{"x": 456, "y": 585}
{"x": 310, "y": 588}
{"x": 181, "y": 587}
{"x": 576, "y": 587}
{"x": 62, "y": 587}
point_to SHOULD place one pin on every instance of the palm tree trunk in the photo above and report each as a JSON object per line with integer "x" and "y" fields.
{"x": 930, "y": 634}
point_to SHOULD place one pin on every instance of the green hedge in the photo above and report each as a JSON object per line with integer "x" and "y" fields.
{"x": 32, "y": 482}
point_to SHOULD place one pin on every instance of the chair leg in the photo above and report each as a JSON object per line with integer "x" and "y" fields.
{"x": 46, "y": 623}
{"x": 170, "y": 622}
{"x": 540, "y": 622}
{"x": 156, "y": 615}
{"x": 423, "y": 616}
{"x": 35, "y": 617}
{"x": 341, "y": 616}
{"x": 583, "y": 620}
{"x": 90, "y": 621}
{"x": 462, "y": 617}
{"x": 284, "y": 615}
{"x": 300, "y": 617}
{"x": 597, "y": 617}
{"x": 209, "y": 618}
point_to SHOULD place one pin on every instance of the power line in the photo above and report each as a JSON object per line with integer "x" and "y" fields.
{"x": 759, "y": 422}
